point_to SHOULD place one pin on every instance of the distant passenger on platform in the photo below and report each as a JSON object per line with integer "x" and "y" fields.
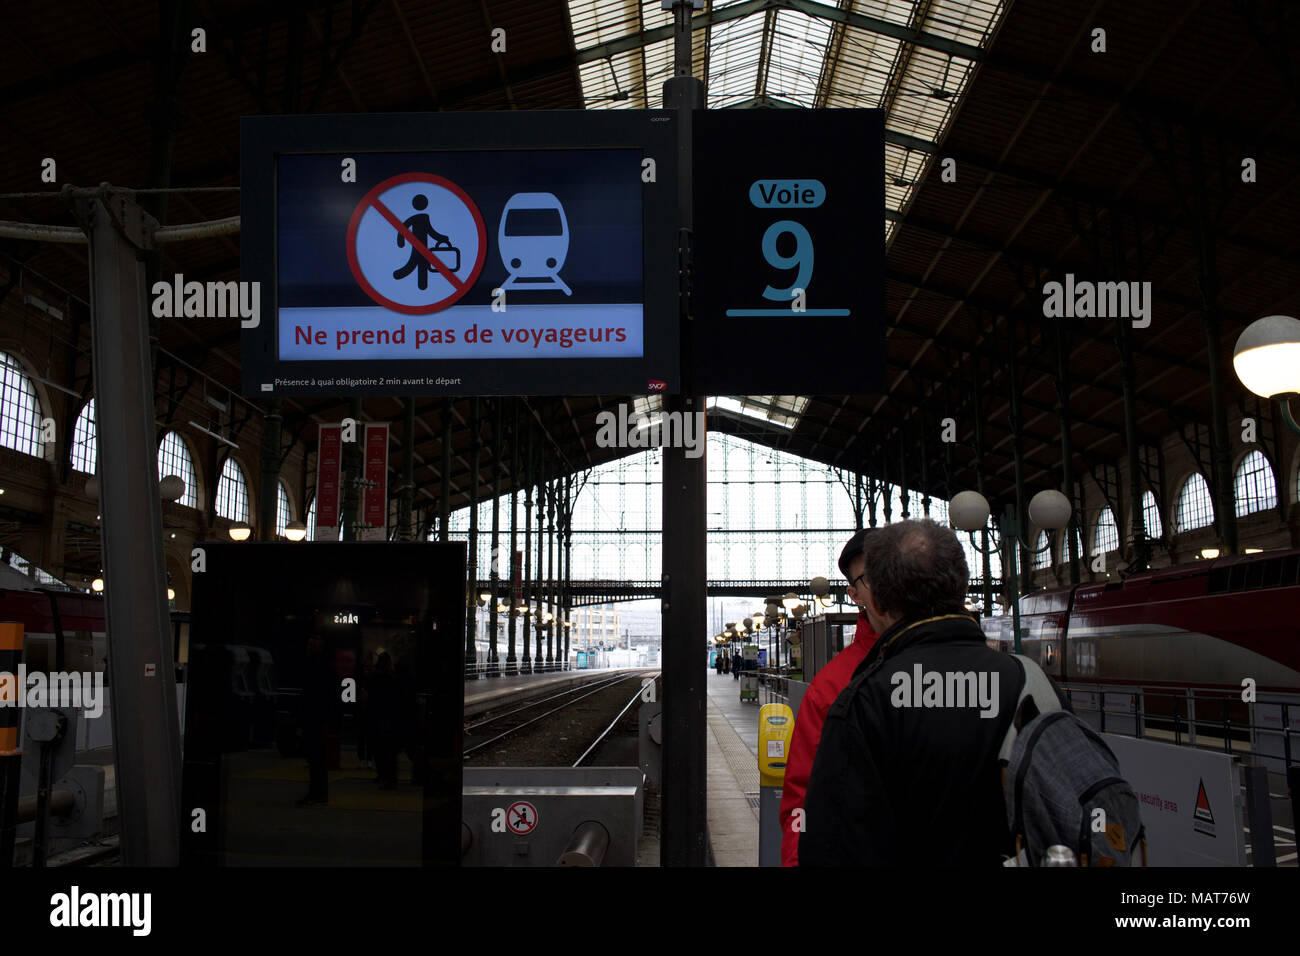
{"x": 825, "y": 687}
{"x": 320, "y": 697}
{"x": 904, "y": 775}
{"x": 385, "y": 721}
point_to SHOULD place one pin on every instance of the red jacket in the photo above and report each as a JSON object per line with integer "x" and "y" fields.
{"x": 826, "y": 686}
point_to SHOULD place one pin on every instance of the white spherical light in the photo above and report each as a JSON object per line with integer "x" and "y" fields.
{"x": 1267, "y": 356}
{"x": 969, "y": 511}
{"x": 171, "y": 488}
{"x": 1050, "y": 510}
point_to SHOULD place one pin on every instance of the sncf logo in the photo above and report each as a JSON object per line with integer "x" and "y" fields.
{"x": 654, "y": 385}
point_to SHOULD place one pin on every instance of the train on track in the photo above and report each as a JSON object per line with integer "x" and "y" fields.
{"x": 1188, "y": 646}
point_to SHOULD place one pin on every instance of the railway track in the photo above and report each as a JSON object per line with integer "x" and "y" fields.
{"x": 503, "y": 725}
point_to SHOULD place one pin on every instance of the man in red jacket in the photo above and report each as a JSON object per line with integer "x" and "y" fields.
{"x": 826, "y": 686}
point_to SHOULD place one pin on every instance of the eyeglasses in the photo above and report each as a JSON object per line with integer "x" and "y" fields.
{"x": 861, "y": 577}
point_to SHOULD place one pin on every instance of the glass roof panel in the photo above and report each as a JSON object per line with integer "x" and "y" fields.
{"x": 781, "y": 410}
{"x": 734, "y": 50}
{"x": 796, "y": 57}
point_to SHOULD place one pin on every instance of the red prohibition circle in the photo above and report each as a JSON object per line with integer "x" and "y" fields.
{"x": 368, "y": 200}
{"x": 531, "y": 826}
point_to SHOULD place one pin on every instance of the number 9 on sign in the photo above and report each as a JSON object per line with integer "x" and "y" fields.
{"x": 802, "y": 259}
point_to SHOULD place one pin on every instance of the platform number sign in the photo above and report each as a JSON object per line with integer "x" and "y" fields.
{"x": 789, "y": 251}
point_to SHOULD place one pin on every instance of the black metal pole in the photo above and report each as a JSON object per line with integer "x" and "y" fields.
{"x": 1067, "y": 453}
{"x": 685, "y": 538}
{"x": 985, "y": 556}
{"x": 527, "y": 667}
{"x": 550, "y": 573}
{"x": 512, "y": 662}
{"x": 354, "y": 461}
{"x": 495, "y": 570}
{"x": 566, "y": 602}
{"x": 406, "y": 494}
{"x": 471, "y": 605}
{"x": 539, "y": 662}
{"x": 269, "y": 497}
{"x": 444, "y": 503}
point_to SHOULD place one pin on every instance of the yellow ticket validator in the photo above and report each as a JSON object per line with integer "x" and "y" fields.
{"x": 775, "y": 727}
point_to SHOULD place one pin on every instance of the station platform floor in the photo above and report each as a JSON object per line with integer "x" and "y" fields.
{"x": 731, "y": 764}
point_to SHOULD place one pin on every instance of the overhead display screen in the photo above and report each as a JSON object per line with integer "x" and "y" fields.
{"x": 541, "y": 265}
{"x": 789, "y": 248}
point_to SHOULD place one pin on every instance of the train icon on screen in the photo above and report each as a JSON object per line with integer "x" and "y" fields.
{"x": 534, "y": 239}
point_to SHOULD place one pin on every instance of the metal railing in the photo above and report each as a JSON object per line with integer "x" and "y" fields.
{"x": 1208, "y": 718}
{"x": 501, "y": 668}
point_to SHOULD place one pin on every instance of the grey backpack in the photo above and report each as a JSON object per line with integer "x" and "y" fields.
{"x": 1062, "y": 783}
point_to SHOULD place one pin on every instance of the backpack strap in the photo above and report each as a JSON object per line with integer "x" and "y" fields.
{"x": 1037, "y": 687}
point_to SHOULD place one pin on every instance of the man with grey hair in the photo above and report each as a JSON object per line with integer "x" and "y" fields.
{"x": 907, "y": 770}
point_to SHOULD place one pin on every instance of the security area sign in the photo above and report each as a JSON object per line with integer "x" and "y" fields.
{"x": 789, "y": 252}
{"x": 464, "y": 254}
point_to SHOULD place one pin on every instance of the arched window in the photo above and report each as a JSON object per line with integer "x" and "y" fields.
{"x": 282, "y": 515}
{"x": 1065, "y": 546}
{"x": 20, "y": 409}
{"x": 85, "y": 452}
{"x": 1151, "y": 516}
{"x": 232, "y": 492}
{"x": 174, "y": 458}
{"x": 1107, "y": 535}
{"x": 1195, "y": 508}
{"x": 311, "y": 525}
{"x": 1043, "y": 558}
{"x": 1255, "y": 488}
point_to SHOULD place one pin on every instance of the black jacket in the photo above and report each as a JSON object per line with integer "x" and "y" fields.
{"x": 897, "y": 784}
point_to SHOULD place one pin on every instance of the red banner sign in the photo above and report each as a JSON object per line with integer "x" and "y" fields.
{"x": 375, "y": 501}
{"x": 329, "y": 460}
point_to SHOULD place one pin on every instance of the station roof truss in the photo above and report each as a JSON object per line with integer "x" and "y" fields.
{"x": 1123, "y": 165}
